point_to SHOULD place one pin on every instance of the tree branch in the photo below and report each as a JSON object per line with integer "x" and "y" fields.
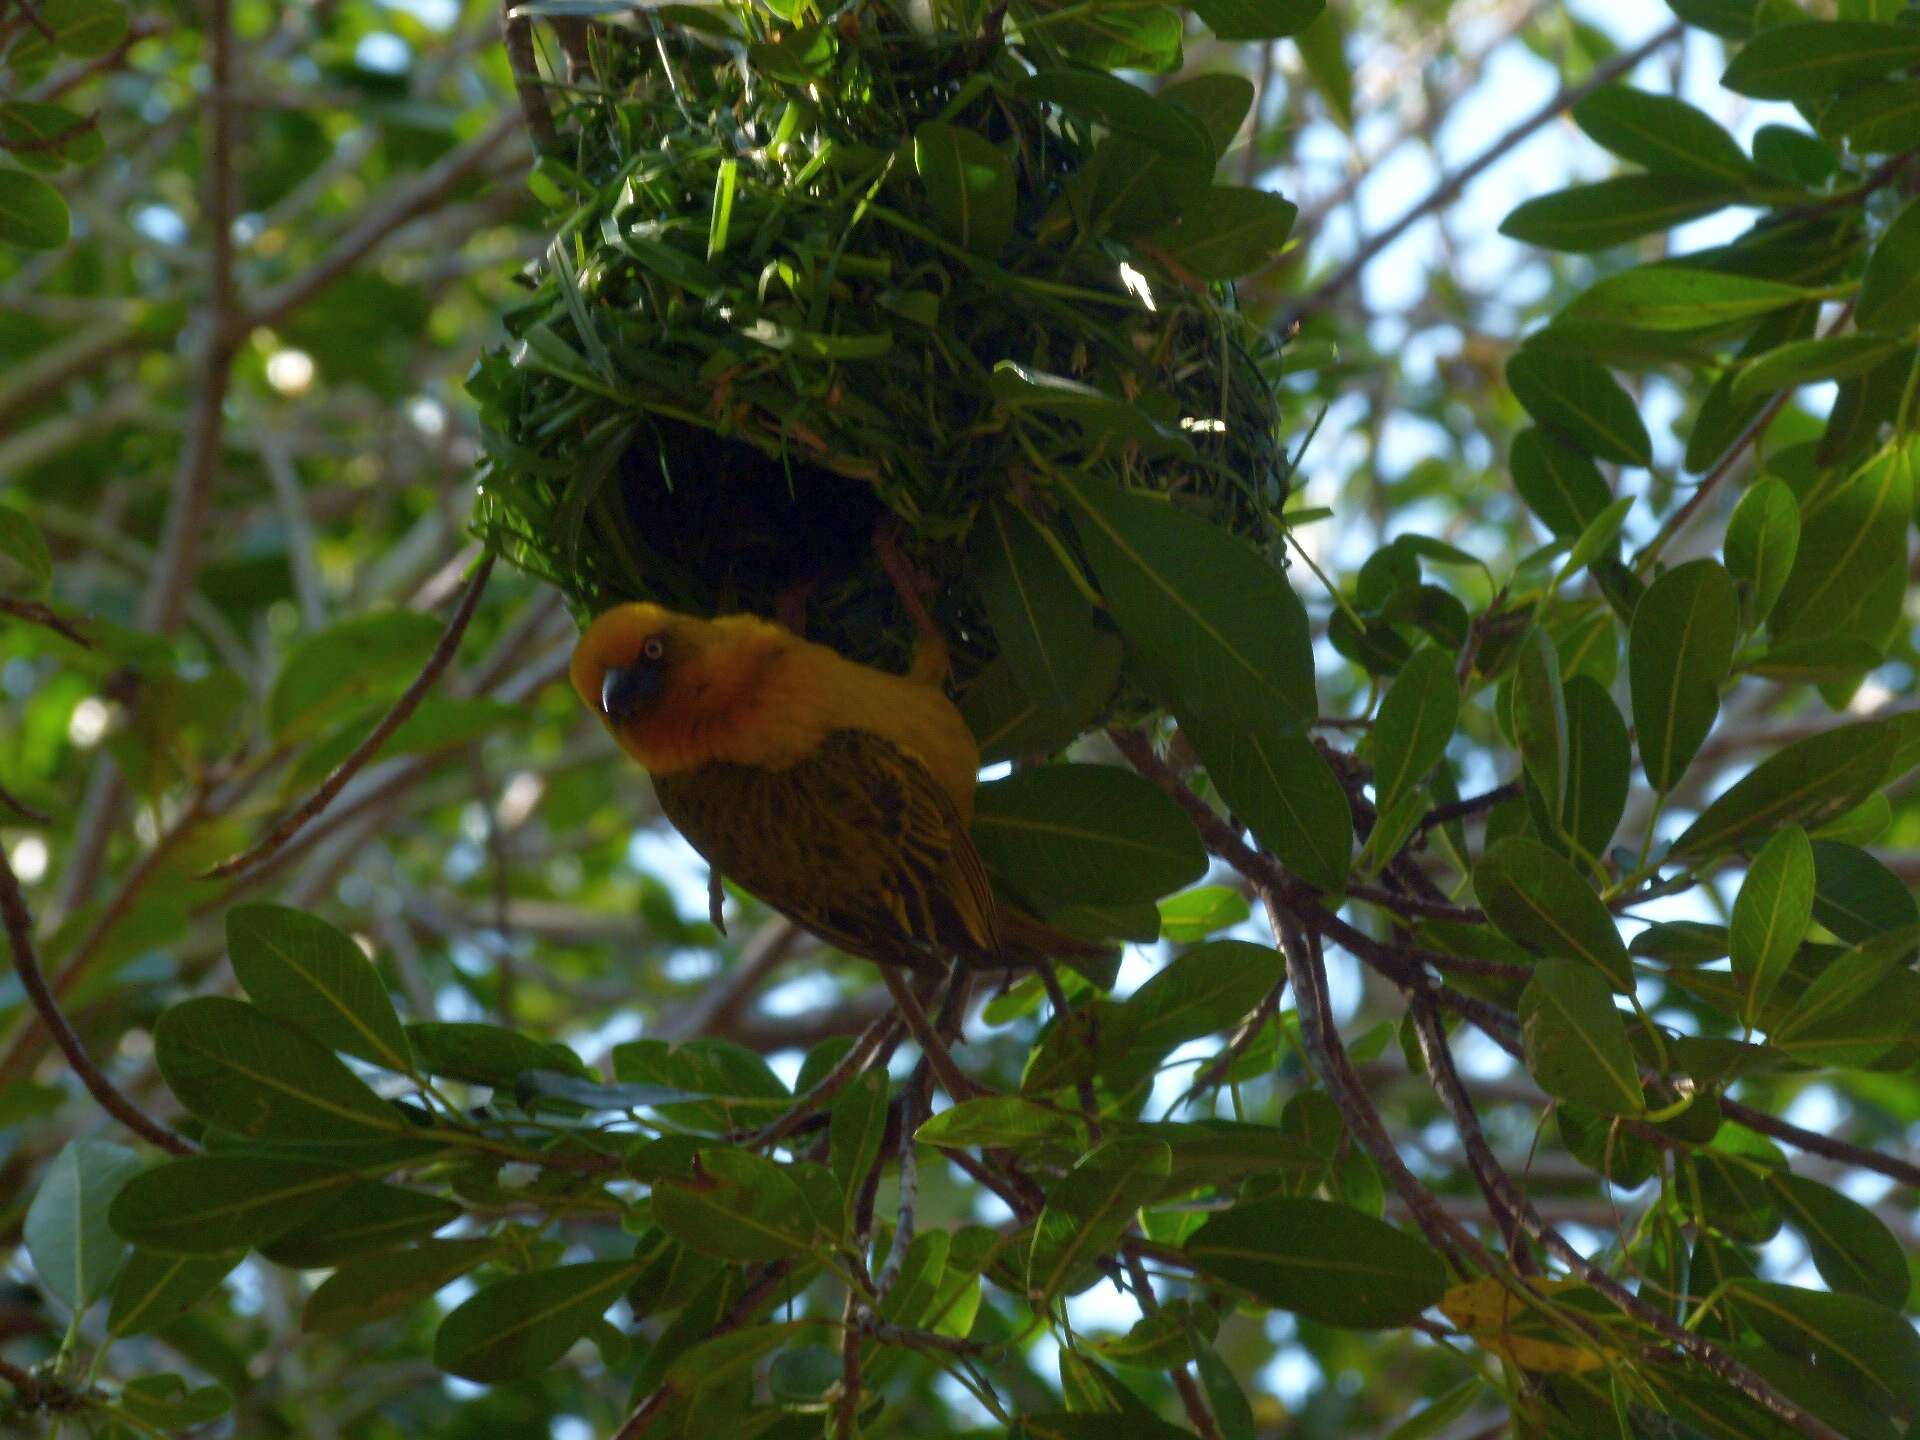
{"x": 26, "y": 964}
{"x": 1449, "y": 189}
{"x": 408, "y": 702}
{"x": 422, "y": 193}
{"x": 1453, "y": 1094}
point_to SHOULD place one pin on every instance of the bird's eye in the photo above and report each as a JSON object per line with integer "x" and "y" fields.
{"x": 654, "y": 648}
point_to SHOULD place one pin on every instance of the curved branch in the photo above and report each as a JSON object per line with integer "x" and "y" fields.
{"x": 404, "y": 707}
{"x": 26, "y": 964}
{"x": 1447, "y": 190}
{"x": 1453, "y": 1094}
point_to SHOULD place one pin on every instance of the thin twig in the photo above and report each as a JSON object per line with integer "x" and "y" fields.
{"x": 54, "y": 141}
{"x": 404, "y": 707}
{"x": 938, "y": 1056}
{"x": 744, "y": 1309}
{"x": 1453, "y": 1094}
{"x": 1445, "y": 192}
{"x": 20, "y": 807}
{"x": 421, "y": 194}
{"x": 57, "y": 85}
{"x": 1306, "y": 971}
{"x": 1183, "y": 1382}
{"x": 1730, "y": 457}
{"x": 516, "y": 33}
{"x": 26, "y": 964}
{"x": 32, "y": 612}
{"x": 220, "y": 338}
{"x": 1814, "y": 1143}
{"x": 1480, "y": 1157}
{"x": 846, "y": 1405}
{"x": 913, "y": 1113}
{"x": 1472, "y": 805}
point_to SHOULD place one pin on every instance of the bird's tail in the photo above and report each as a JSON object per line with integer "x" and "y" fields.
{"x": 1026, "y": 940}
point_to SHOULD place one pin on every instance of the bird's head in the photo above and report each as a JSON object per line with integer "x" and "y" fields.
{"x": 671, "y": 687}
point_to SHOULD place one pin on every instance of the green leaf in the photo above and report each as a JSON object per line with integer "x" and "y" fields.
{"x": 1414, "y": 724}
{"x": 49, "y": 137}
{"x": 155, "y": 1289}
{"x": 1219, "y": 101}
{"x": 1229, "y": 232}
{"x": 1002, "y": 1122}
{"x": 1770, "y": 917}
{"x": 1322, "y": 47}
{"x": 1857, "y": 897}
{"x": 1228, "y": 1401}
{"x": 969, "y": 185}
{"x": 1583, "y": 402}
{"x": 369, "y": 1217}
{"x": 32, "y": 213}
{"x": 298, "y": 968}
{"x": 1876, "y": 119}
{"x": 1537, "y": 898}
{"x": 481, "y": 1054}
{"x": 1599, "y": 766}
{"x": 1678, "y": 654}
{"x": 163, "y": 1403}
{"x": 738, "y": 1206}
{"x": 1804, "y": 783}
{"x": 1323, "y": 1261}
{"x": 1575, "y": 1041}
{"x": 237, "y": 1067}
{"x": 87, "y": 29}
{"x": 1216, "y": 624}
{"x": 1662, "y": 133}
{"x": 1200, "y": 993}
{"x": 1560, "y": 484}
{"x": 1792, "y": 155}
{"x": 1853, "y": 543}
{"x": 518, "y": 1326}
{"x": 381, "y": 1285}
{"x": 1010, "y": 724}
{"x": 210, "y": 1204}
{"x": 1540, "y": 724}
{"x": 1806, "y": 361}
{"x": 1282, "y": 789}
{"x": 1852, "y": 1249}
{"x": 1125, "y": 111}
{"x": 1733, "y": 19}
{"x": 1041, "y": 622}
{"x": 1022, "y": 390}
{"x": 1813, "y": 60}
{"x": 75, "y": 1251}
{"x": 1674, "y": 297}
{"x": 1258, "y": 19}
{"x": 817, "y": 345}
{"x": 1763, "y": 537}
{"x": 25, "y": 566}
{"x": 1089, "y": 1208}
{"x": 1441, "y": 1413}
{"x": 1862, "y": 1339}
{"x": 1890, "y": 290}
{"x": 344, "y": 664}
{"x": 1611, "y": 212}
{"x": 1093, "y": 834}
{"x": 854, "y": 1131}
{"x": 1201, "y": 912}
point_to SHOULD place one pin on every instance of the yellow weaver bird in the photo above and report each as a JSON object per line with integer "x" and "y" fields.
{"x": 837, "y": 793}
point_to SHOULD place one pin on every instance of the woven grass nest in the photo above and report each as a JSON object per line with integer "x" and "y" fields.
{"x": 807, "y": 277}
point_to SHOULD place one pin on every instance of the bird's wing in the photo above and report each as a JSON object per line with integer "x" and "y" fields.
{"x": 857, "y": 843}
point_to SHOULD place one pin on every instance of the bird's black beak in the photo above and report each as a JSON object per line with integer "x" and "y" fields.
{"x": 626, "y": 688}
